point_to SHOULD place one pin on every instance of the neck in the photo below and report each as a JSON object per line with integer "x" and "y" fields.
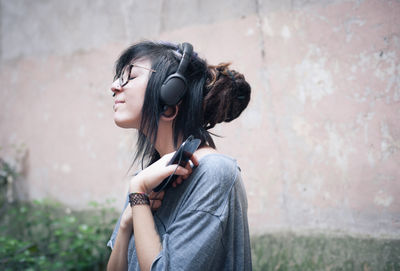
{"x": 164, "y": 144}
{"x": 165, "y": 139}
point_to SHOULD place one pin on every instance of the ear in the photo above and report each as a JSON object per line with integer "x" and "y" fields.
{"x": 169, "y": 112}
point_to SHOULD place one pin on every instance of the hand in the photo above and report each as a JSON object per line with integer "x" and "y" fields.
{"x": 152, "y": 176}
{"x": 155, "y": 203}
{"x": 180, "y": 178}
{"x": 156, "y": 199}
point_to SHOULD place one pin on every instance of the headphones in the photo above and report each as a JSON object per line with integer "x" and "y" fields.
{"x": 174, "y": 87}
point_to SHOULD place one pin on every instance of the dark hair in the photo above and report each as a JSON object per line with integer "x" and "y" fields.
{"x": 215, "y": 94}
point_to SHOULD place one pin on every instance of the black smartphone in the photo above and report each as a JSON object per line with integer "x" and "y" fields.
{"x": 181, "y": 157}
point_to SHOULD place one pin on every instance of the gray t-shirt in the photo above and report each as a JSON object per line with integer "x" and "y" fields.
{"x": 202, "y": 223}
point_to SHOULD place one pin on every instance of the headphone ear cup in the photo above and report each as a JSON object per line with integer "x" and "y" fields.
{"x": 173, "y": 89}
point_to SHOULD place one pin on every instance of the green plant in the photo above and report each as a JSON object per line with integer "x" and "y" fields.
{"x": 11, "y": 167}
{"x": 44, "y": 235}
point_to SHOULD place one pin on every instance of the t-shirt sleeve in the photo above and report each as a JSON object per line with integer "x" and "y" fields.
{"x": 190, "y": 243}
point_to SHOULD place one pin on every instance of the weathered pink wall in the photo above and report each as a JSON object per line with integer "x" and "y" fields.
{"x": 319, "y": 145}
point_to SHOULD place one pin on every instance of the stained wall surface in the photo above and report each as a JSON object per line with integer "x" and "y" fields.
{"x": 319, "y": 144}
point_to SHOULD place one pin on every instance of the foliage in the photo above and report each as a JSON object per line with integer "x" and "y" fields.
{"x": 11, "y": 168}
{"x": 7, "y": 175}
{"x": 44, "y": 235}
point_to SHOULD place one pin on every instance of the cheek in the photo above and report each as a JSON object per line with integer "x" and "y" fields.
{"x": 134, "y": 104}
{"x": 135, "y": 100}
{"x": 129, "y": 114}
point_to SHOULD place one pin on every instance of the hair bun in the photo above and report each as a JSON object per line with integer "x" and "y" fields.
{"x": 227, "y": 94}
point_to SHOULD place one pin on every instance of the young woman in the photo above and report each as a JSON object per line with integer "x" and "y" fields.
{"x": 199, "y": 222}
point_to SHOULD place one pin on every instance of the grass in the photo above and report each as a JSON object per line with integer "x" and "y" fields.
{"x": 289, "y": 251}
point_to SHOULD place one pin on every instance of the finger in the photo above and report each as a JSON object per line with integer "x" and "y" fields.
{"x": 177, "y": 181}
{"x": 155, "y": 204}
{"x": 194, "y": 159}
{"x": 156, "y": 195}
{"x": 189, "y": 167}
{"x": 179, "y": 170}
{"x": 185, "y": 176}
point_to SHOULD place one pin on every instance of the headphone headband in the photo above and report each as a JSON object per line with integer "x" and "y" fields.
{"x": 187, "y": 54}
{"x": 174, "y": 87}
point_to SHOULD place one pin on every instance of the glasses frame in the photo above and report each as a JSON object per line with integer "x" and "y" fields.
{"x": 129, "y": 67}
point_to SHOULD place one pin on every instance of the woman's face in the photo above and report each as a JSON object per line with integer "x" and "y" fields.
{"x": 129, "y": 98}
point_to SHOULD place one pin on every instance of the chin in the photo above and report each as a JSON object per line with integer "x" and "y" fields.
{"x": 125, "y": 124}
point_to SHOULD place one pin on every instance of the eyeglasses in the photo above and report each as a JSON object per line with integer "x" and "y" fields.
{"x": 125, "y": 76}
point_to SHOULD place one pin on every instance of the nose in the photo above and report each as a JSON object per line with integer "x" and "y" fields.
{"x": 116, "y": 87}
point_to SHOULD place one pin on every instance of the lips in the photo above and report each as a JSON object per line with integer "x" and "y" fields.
{"x": 116, "y": 103}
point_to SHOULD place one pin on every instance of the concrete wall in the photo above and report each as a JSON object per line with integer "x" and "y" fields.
{"x": 319, "y": 145}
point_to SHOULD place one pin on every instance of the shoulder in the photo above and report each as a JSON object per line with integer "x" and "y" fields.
{"x": 212, "y": 182}
{"x": 218, "y": 166}
{"x": 216, "y": 158}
